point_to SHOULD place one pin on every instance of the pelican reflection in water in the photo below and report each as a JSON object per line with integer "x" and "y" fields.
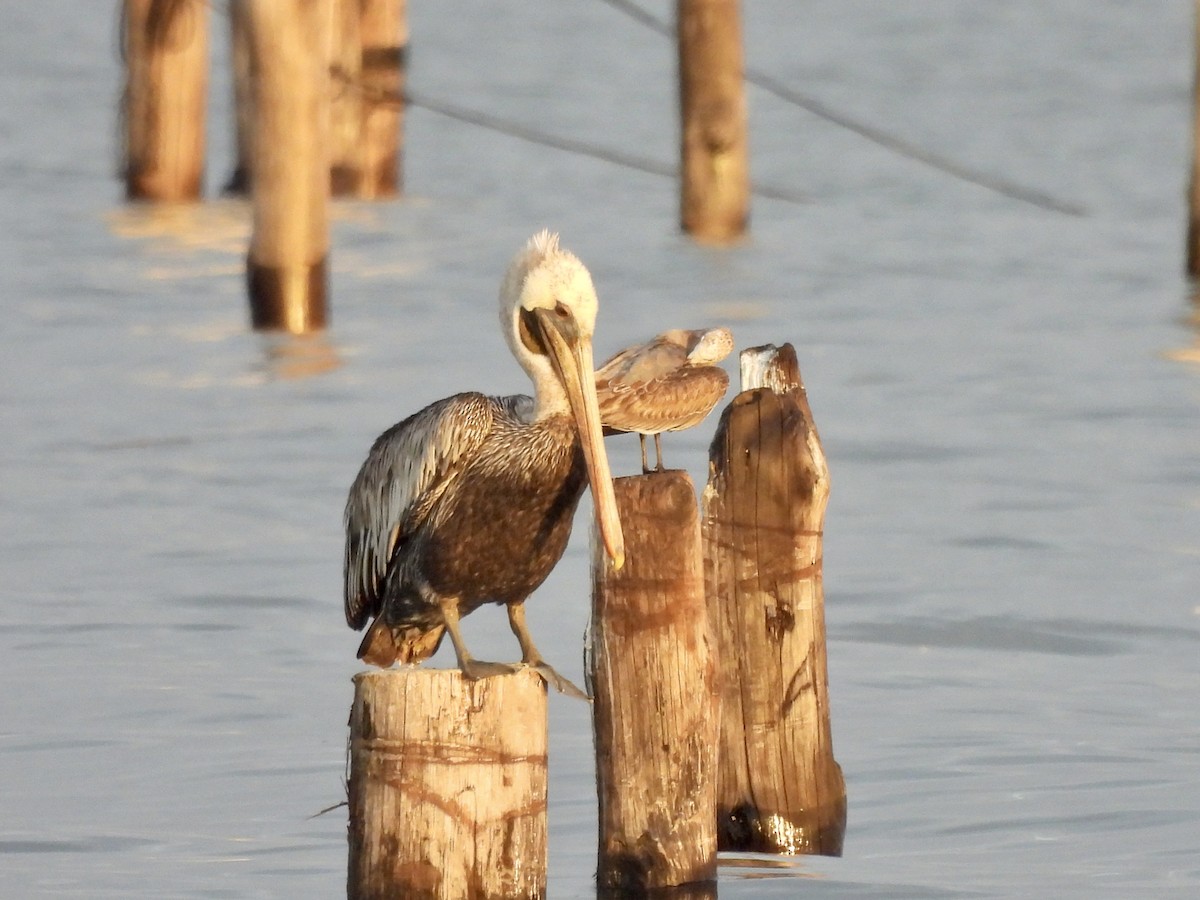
{"x": 470, "y": 500}
{"x": 668, "y": 383}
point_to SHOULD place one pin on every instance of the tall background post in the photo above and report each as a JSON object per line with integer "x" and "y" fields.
{"x": 165, "y": 44}
{"x": 715, "y": 184}
{"x": 384, "y": 30}
{"x": 243, "y": 130}
{"x": 779, "y": 788}
{"x": 345, "y": 113}
{"x": 652, "y": 675}
{"x": 1193, "y": 231}
{"x": 287, "y": 267}
{"x": 447, "y": 789}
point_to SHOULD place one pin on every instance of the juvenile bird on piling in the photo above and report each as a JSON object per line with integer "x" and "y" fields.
{"x": 470, "y": 500}
{"x": 668, "y": 383}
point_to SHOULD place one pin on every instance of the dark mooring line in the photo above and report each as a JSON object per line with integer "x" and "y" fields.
{"x": 570, "y": 145}
{"x": 877, "y": 136}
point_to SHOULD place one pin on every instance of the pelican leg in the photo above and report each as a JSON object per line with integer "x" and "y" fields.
{"x": 532, "y": 658}
{"x": 645, "y": 465}
{"x": 472, "y": 669}
{"x": 658, "y": 452}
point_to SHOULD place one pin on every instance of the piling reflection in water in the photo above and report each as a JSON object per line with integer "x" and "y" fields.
{"x": 1190, "y": 354}
{"x": 290, "y": 356}
{"x": 706, "y": 890}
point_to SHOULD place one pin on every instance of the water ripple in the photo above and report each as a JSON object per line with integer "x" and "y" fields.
{"x": 1067, "y": 637}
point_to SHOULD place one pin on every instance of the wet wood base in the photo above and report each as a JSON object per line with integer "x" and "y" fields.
{"x": 447, "y": 787}
{"x": 288, "y": 299}
{"x": 653, "y": 679}
{"x": 779, "y": 788}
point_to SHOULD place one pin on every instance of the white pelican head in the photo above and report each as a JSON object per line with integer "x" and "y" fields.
{"x": 545, "y": 281}
{"x": 548, "y": 314}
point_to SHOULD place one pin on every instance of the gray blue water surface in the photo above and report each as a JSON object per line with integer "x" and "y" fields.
{"x": 1009, "y": 399}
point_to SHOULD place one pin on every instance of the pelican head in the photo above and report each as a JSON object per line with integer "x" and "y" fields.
{"x": 548, "y": 313}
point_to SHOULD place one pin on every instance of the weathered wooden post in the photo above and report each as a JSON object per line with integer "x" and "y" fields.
{"x": 1193, "y": 232}
{"x": 165, "y": 44}
{"x": 346, "y": 102}
{"x": 447, "y": 789}
{"x": 652, "y": 674}
{"x": 779, "y": 787}
{"x": 384, "y": 31}
{"x": 243, "y": 131}
{"x": 715, "y": 188}
{"x": 287, "y": 268}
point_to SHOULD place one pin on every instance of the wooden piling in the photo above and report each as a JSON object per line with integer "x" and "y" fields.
{"x": 243, "y": 98}
{"x": 287, "y": 267}
{"x": 1193, "y": 231}
{"x": 652, "y": 674}
{"x": 779, "y": 788}
{"x": 165, "y": 46}
{"x": 715, "y": 184}
{"x": 447, "y": 789}
{"x": 384, "y": 33}
{"x": 346, "y": 101}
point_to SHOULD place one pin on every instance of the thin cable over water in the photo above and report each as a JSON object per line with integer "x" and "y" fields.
{"x": 877, "y": 136}
{"x": 571, "y": 145}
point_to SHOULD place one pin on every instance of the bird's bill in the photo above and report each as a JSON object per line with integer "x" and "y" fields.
{"x": 572, "y": 357}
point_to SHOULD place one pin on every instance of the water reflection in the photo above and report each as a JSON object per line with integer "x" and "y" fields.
{"x": 757, "y": 867}
{"x": 289, "y": 356}
{"x": 1059, "y": 636}
{"x": 1190, "y": 354}
{"x": 221, "y": 225}
{"x": 705, "y": 890}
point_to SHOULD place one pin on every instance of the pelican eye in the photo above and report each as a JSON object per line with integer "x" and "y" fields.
{"x": 560, "y": 310}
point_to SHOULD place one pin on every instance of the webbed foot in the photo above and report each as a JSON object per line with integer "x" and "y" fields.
{"x": 556, "y": 681}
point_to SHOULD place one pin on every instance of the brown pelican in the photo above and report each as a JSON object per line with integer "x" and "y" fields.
{"x": 470, "y": 500}
{"x": 666, "y": 384}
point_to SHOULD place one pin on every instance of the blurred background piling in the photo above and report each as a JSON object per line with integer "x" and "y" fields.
{"x": 163, "y": 108}
{"x": 715, "y": 173}
{"x": 287, "y": 267}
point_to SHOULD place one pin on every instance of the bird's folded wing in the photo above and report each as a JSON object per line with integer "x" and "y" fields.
{"x": 409, "y": 467}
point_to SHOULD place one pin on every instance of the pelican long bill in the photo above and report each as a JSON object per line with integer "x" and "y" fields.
{"x": 572, "y": 358}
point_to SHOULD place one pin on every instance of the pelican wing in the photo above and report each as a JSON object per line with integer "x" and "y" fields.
{"x": 672, "y": 401}
{"x": 642, "y": 362}
{"x": 408, "y": 469}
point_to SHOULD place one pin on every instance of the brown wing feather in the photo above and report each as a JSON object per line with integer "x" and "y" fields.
{"x": 408, "y": 468}
{"x": 672, "y": 402}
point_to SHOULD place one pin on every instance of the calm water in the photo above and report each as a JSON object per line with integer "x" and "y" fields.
{"x": 1008, "y": 398}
